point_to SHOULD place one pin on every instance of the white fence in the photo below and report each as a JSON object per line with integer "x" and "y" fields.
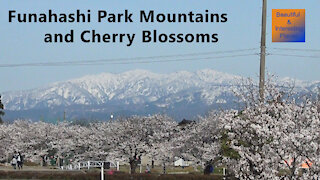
{"x": 90, "y": 164}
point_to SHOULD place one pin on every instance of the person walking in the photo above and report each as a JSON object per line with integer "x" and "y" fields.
{"x": 14, "y": 162}
{"x": 148, "y": 169}
{"x": 208, "y": 168}
{"x": 20, "y": 160}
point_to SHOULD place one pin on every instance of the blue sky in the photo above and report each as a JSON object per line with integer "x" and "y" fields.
{"x": 23, "y": 43}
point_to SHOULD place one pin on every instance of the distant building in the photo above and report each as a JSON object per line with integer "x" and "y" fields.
{"x": 182, "y": 163}
{"x": 304, "y": 165}
{"x": 148, "y": 160}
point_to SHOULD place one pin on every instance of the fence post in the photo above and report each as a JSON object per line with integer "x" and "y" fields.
{"x": 140, "y": 168}
{"x": 88, "y": 164}
{"x": 224, "y": 173}
{"x": 102, "y": 173}
{"x": 118, "y": 166}
{"x": 41, "y": 161}
{"x": 79, "y": 164}
{"x": 58, "y": 162}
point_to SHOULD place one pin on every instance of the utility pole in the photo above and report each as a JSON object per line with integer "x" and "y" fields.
{"x": 263, "y": 51}
{"x": 64, "y": 116}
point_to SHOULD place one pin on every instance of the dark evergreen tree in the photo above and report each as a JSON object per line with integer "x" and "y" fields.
{"x": 1, "y": 111}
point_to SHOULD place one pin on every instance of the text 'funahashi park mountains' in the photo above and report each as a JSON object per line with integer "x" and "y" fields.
{"x": 126, "y": 16}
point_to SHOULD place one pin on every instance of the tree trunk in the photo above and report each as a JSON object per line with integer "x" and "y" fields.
{"x": 133, "y": 167}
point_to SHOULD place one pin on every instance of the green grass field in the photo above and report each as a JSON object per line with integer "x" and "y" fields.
{"x": 50, "y": 173}
{"x": 173, "y": 170}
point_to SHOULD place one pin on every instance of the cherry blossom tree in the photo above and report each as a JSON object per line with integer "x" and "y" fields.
{"x": 272, "y": 139}
{"x": 198, "y": 141}
{"x": 137, "y": 136}
{"x": 261, "y": 140}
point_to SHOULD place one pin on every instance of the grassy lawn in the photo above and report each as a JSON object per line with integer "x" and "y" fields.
{"x": 173, "y": 173}
{"x": 50, "y": 172}
{"x": 172, "y": 170}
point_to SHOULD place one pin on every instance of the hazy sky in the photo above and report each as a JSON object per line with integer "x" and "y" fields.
{"x": 23, "y": 43}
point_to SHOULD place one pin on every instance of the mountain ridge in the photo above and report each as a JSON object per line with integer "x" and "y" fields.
{"x": 136, "y": 91}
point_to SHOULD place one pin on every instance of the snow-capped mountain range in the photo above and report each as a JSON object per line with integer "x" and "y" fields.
{"x": 181, "y": 94}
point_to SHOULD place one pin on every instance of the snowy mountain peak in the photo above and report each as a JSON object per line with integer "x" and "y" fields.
{"x": 132, "y": 92}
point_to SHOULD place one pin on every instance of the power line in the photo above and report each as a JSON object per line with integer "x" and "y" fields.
{"x": 134, "y": 60}
{"x": 151, "y": 59}
{"x": 189, "y": 59}
{"x": 303, "y": 50}
{"x": 125, "y": 62}
{"x": 295, "y": 55}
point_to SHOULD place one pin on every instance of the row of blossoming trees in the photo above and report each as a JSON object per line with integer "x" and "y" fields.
{"x": 267, "y": 140}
